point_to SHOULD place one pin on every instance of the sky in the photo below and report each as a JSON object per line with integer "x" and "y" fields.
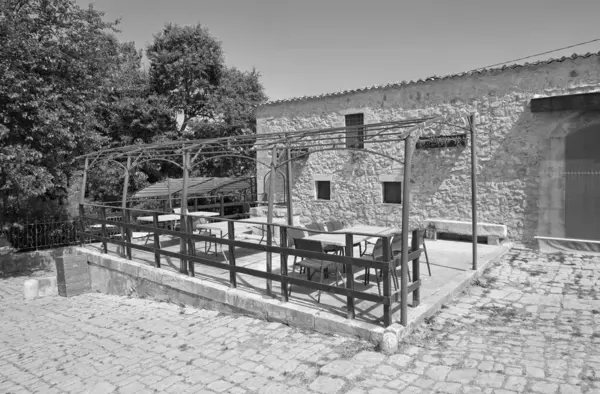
{"x": 309, "y": 47}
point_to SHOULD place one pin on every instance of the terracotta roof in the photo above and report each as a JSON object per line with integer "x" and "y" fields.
{"x": 430, "y": 79}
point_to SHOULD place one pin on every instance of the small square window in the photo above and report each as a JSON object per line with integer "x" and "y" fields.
{"x": 355, "y": 133}
{"x": 392, "y": 192}
{"x": 323, "y": 189}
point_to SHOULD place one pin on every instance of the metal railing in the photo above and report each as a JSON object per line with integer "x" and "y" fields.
{"x": 188, "y": 257}
{"x": 30, "y": 236}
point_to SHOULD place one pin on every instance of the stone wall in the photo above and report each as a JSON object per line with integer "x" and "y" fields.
{"x": 29, "y": 261}
{"x": 516, "y": 159}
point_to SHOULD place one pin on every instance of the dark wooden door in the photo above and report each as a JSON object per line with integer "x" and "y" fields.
{"x": 582, "y": 167}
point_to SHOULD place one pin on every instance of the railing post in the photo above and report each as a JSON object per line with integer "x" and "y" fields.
{"x": 231, "y": 236}
{"x": 269, "y": 266}
{"x": 387, "y": 304}
{"x": 127, "y": 213}
{"x": 403, "y": 292}
{"x": 104, "y": 235}
{"x": 195, "y": 203}
{"x": 156, "y": 241}
{"x": 284, "y": 261}
{"x": 351, "y": 314}
{"x": 191, "y": 247}
{"x": 415, "y": 245}
{"x": 222, "y": 208}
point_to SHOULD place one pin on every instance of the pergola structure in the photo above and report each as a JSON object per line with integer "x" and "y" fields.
{"x": 190, "y": 153}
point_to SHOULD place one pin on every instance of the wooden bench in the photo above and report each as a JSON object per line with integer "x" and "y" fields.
{"x": 493, "y": 232}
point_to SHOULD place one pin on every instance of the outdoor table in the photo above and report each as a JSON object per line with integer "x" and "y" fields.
{"x": 240, "y": 226}
{"x": 173, "y": 217}
{"x": 338, "y": 237}
{"x": 161, "y": 218}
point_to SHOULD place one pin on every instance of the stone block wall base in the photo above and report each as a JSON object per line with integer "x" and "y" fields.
{"x": 72, "y": 275}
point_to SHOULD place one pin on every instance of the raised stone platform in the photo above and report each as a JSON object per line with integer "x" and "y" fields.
{"x": 451, "y": 268}
{"x": 494, "y": 232}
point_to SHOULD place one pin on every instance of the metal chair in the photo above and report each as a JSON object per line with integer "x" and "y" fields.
{"x": 397, "y": 248}
{"x": 334, "y": 225}
{"x": 315, "y": 226}
{"x": 320, "y": 227}
{"x": 376, "y": 255}
{"x": 293, "y": 234}
{"x": 314, "y": 264}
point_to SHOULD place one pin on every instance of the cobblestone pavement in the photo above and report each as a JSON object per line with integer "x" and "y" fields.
{"x": 531, "y": 324}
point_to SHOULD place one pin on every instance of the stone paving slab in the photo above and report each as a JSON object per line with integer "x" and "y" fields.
{"x": 531, "y": 324}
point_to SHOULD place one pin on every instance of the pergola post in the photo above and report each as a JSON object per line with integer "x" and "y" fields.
{"x": 409, "y": 145}
{"x": 169, "y": 194}
{"x": 270, "y": 215}
{"x": 182, "y": 221}
{"x": 471, "y": 120}
{"x": 288, "y": 166}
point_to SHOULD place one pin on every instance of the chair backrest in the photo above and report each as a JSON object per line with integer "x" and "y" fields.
{"x": 334, "y": 225}
{"x": 309, "y": 244}
{"x": 378, "y": 249}
{"x": 312, "y": 226}
{"x": 397, "y": 243}
{"x": 294, "y": 234}
{"x": 337, "y": 224}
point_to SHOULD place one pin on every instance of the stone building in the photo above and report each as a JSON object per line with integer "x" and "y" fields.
{"x": 538, "y": 145}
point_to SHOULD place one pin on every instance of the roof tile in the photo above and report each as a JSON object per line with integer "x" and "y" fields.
{"x": 428, "y": 79}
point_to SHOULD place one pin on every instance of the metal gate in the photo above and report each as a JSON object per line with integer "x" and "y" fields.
{"x": 582, "y": 184}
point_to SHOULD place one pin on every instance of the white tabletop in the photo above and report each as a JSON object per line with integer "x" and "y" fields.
{"x": 161, "y": 218}
{"x": 373, "y": 230}
{"x": 204, "y": 214}
{"x": 176, "y": 216}
{"x": 240, "y": 225}
{"x": 100, "y": 226}
{"x": 338, "y": 237}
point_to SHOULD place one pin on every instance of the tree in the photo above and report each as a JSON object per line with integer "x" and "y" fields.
{"x": 187, "y": 66}
{"x": 131, "y": 112}
{"x": 54, "y": 60}
{"x": 233, "y": 107}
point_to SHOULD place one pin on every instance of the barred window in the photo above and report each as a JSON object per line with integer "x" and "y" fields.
{"x": 355, "y": 134}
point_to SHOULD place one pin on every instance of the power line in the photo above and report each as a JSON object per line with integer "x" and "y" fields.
{"x": 537, "y": 54}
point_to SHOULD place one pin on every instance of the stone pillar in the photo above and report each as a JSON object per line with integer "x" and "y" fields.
{"x": 72, "y": 275}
